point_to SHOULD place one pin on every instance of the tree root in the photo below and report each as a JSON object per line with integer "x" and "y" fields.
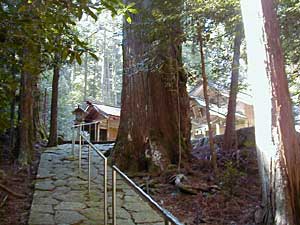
{"x": 3, "y": 187}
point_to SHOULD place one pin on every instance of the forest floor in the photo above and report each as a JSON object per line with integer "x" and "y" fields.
{"x": 230, "y": 199}
{"x": 15, "y": 202}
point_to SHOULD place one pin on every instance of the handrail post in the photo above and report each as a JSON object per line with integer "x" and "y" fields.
{"x": 167, "y": 222}
{"x": 80, "y": 148}
{"x": 73, "y": 140}
{"x": 90, "y": 131}
{"x": 89, "y": 168}
{"x": 168, "y": 218}
{"x": 114, "y": 200}
{"x": 105, "y": 192}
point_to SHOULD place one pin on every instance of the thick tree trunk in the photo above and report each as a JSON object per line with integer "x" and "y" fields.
{"x": 230, "y": 133}
{"x": 54, "y": 101}
{"x": 154, "y": 129}
{"x": 277, "y": 145}
{"x": 26, "y": 129}
{"x": 206, "y": 99}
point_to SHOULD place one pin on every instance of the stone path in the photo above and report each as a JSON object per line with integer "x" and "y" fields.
{"x": 61, "y": 194}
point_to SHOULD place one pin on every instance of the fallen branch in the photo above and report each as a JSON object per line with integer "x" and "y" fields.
{"x": 3, "y": 201}
{"x": 206, "y": 188}
{"x": 186, "y": 189}
{"x": 12, "y": 192}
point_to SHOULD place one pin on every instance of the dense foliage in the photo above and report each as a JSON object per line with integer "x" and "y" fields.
{"x": 91, "y": 48}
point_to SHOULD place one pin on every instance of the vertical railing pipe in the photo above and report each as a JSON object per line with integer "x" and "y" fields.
{"x": 80, "y": 149}
{"x": 114, "y": 197}
{"x": 89, "y": 168}
{"x": 105, "y": 192}
{"x": 73, "y": 141}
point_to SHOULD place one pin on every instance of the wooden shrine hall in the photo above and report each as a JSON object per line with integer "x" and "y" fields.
{"x": 100, "y": 121}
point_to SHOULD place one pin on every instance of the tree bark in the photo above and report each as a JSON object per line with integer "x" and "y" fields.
{"x": 277, "y": 145}
{"x": 206, "y": 99}
{"x": 39, "y": 131}
{"x": 54, "y": 101}
{"x": 155, "y": 125}
{"x": 45, "y": 108}
{"x": 230, "y": 133}
{"x": 30, "y": 71}
{"x": 12, "y": 121}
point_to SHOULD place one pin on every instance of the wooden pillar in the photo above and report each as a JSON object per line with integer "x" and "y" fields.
{"x": 98, "y": 131}
{"x": 108, "y": 136}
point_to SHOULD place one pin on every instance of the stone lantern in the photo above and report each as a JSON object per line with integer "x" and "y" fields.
{"x": 79, "y": 114}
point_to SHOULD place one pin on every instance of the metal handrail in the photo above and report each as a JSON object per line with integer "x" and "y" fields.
{"x": 168, "y": 217}
{"x": 90, "y": 144}
{"x": 85, "y": 124}
{"x": 79, "y": 127}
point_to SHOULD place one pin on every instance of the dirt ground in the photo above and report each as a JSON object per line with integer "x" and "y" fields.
{"x": 230, "y": 198}
{"x": 15, "y": 207}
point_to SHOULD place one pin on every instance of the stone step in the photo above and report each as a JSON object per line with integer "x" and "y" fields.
{"x": 61, "y": 193}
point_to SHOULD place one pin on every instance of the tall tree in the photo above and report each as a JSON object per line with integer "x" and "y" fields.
{"x": 54, "y": 102}
{"x": 155, "y": 126}
{"x": 276, "y": 140}
{"x": 206, "y": 99}
{"x": 28, "y": 30}
{"x": 230, "y": 133}
{"x": 85, "y": 77}
{"x": 29, "y": 73}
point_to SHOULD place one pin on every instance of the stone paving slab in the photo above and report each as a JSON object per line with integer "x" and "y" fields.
{"x": 61, "y": 194}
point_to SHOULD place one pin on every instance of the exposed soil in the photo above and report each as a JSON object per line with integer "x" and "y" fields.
{"x": 233, "y": 201}
{"x": 15, "y": 210}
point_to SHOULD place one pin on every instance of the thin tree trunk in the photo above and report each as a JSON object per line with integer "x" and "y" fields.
{"x": 12, "y": 122}
{"x": 45, "y": 108}
{"x": 93, "y": 86}
{"x": 105, "y": 72}
{"x": 74, "y": 72}
{"x": 54, "y": 103}
{"x": 206, "y": 98}
{"x": 276, "y": 140}
{"x": 230, "y": 133}
{"x": 12, "y": 126}
{"x": 85, "y": 77}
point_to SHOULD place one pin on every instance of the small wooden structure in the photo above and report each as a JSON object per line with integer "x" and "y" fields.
{"x": 79, "y": 114}
{"x": 218, "y": 110}
{"x": 106, "y": 121}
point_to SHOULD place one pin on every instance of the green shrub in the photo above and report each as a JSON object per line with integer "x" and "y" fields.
{"x": 230, "y": 178}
